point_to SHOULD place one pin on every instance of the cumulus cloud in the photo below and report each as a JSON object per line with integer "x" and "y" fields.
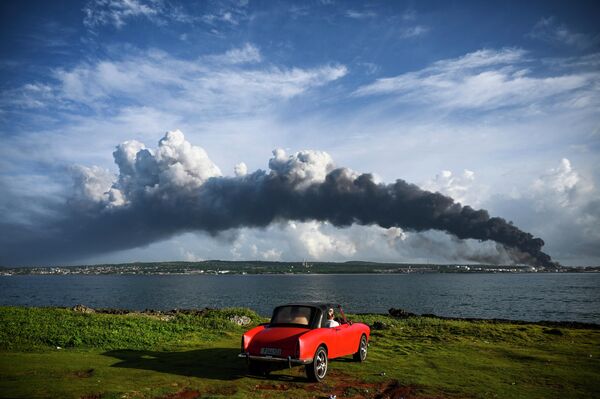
{"x": 303, "y": 168}
{"x": 561, "y": 186}
{"x": 240, "y": 169}
{"x": 318, "y": 244}
{"x": 565, "y": 205}
{"x": 457, "y": 186}
{"x": 91, "y": 183}
{"x": 177, "y": 188}
{"x": 323, "y": 241}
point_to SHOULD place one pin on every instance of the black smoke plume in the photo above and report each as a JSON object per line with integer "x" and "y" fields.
{"x": 177, "y": 189}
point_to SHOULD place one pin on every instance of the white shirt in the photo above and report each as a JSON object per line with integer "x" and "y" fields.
{"x": 331, "y": 323}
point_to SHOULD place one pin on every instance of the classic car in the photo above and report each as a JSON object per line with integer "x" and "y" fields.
{"x": 298, "y": 334}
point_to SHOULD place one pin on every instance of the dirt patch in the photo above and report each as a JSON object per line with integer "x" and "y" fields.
{"x": 185, "y": 394}
{"x": 344, "y": 386}
{"x": 272, "y": 387}
{"x": 223, "y": 390}
{"x": 395, "y": 390}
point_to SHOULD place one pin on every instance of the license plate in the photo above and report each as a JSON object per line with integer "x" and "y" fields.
{"x": 270, "y": 351}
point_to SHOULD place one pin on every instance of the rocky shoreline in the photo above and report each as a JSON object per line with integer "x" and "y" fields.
{"x": 397, "y": 313}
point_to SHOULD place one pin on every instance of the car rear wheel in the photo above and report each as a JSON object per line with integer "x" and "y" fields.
{"x": 317, "y": 370}
{"x": 361, "y": 354}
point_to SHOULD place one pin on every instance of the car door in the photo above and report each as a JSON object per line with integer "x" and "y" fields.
{"x": 345, "y": 340}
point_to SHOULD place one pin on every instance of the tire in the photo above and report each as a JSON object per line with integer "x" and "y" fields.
{"x": 361, "y": 354}
{"x": 317, "y": 370}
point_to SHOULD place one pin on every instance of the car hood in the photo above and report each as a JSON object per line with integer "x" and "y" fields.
{"x": 284, "y": 338}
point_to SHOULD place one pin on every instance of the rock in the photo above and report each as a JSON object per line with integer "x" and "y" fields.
{"x": 379, "y": 325}
{"x": 240, "y": 320}
{"x": 400, "y": 313}
{"x": 82, "y": 309}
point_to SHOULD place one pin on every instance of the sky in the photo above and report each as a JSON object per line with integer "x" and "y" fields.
{"x": 495, "y": 105}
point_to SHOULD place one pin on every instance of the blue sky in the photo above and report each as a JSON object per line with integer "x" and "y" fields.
{"x": 495, "y": 105}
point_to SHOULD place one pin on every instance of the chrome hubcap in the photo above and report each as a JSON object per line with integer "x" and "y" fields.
{"x": 363, "y": 349}
{"x": 321, "y": 364}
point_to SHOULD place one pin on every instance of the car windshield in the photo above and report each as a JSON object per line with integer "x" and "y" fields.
{"x": 292, "y": 315}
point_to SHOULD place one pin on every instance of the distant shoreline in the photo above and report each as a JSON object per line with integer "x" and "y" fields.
{"x": 281, "y": 274}
{"x": 218, "y": 267}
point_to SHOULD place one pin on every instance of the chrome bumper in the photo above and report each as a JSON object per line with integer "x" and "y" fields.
{"x": 289, "y": 360}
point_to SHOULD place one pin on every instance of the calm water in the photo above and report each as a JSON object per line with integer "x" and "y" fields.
{"x": 573, "y": 297}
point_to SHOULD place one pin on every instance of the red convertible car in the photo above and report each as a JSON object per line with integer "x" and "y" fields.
{"x": 308, "y": 334}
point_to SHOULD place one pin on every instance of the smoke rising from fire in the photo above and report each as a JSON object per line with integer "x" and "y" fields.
{"x": 176, "y": 188}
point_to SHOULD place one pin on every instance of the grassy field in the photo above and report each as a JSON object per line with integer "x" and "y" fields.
{"x": 60, "y": 353}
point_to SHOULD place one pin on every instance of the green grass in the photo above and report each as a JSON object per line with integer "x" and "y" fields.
{"x": 138, "y": 356}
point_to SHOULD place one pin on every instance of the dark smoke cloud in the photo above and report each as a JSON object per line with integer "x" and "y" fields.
{"x": 176, "y": 188}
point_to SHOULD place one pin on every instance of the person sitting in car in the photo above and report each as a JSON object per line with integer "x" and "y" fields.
{"x": 331, "y": 319}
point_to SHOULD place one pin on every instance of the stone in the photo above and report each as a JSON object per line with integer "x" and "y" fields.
{"x": 82, "y": 309}
{"x": 240, "y": 320}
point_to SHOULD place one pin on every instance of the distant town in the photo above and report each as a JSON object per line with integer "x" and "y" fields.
{"x": 217, "y": 267}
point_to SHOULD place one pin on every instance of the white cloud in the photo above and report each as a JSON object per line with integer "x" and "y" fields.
{"x": 319, "y": 244}
{"x": 271, "y": 254}
{"x": 174, "y": 165}
{"x": 355, "y": 14}
{"x": 190, "y": 256}
{"x": 549, "y": 30}
{"x": 413, "y": 31}
{"x": 240, "y": 169}
{"x": 302, "y": 168}
{"x": 91, "y": 183}
{"x": 562, "y": 206}
{"x": 249, "y": 53}
{"x": 318, "y": 241}
{"x": 460, "y": 187}
{"x": 559, "y": 186}
{"x": 485, "y": 79}
{"x": 155, "y": 79}
{"x": 412, "y": 145}
{"x": 117, "y": 12}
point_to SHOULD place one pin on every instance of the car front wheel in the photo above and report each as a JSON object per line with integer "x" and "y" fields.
{"x": 317, "y": 370}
